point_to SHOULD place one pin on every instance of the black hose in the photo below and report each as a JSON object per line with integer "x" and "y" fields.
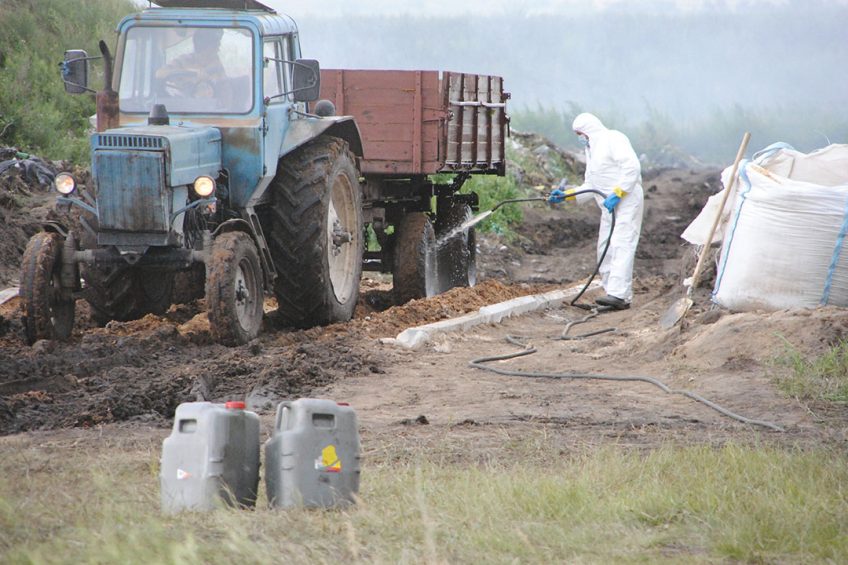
{"x": 565, "y": 337}
{"x": 606, "y": 247}
{"x": 480, "y": 364}
{"x": 603, "y": 255}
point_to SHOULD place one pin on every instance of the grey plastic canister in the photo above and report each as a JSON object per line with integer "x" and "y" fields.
{"x": 313, "y": 458}
{"x": 212, "y": 455}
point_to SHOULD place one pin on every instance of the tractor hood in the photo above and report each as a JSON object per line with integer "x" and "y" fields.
{"x": 189, "y": 151}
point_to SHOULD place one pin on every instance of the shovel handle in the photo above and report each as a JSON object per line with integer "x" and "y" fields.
{"x": 702, "y": 257}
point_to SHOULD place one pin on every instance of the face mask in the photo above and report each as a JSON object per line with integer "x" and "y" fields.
{"x": 584, "y": 141}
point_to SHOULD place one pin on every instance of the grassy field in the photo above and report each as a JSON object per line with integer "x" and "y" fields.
{"x": 818, "y": 378}
{"x": 91, "y": 499}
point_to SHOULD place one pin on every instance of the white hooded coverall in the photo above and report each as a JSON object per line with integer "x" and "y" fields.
{"x": 611, "y": 163}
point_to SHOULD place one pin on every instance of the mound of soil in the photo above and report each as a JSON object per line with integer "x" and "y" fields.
{"x": 26, "y": 202}
{"x": 455, "y": 302}
{"x": 142, "y": 370}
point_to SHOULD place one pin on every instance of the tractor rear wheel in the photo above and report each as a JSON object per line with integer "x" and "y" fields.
{"x": 234, "y": 293}
{"x": 124, "y": 293}
{"x": 48, "y": 309}
{"x": 458, "y": 254}
{"x": 415, "y": 272}
{"x": 316, "y": 234}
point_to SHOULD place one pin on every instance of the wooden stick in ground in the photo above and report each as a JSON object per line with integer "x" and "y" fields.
{"x": 702, "y": 257}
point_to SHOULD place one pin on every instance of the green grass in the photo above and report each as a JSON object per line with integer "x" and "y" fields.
{"x": 98, "y": 504}
{"x": 35, "y": 113}
{"x": 822, "y": 377}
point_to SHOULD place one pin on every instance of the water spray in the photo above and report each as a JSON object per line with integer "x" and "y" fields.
{"x": 471, "y": 222}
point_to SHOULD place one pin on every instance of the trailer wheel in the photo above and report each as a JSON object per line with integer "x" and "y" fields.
{"x": 415, "y": 273}
{"x": 457, "y": 255}
{"x": 316, "y": 234}
{"x": 234, "y": 294}
{"x": 123, "y": 293}
{"x": 48, "y": 310}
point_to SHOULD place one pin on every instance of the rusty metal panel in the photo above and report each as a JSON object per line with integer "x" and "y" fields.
{"x": 418, "y": 122}
{"x": 131, "y": 193}
{"x": 398, "y": 113}
{"x": 476, "y": 135}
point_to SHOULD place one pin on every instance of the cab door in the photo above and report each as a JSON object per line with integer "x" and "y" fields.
{"x": 278, "y": 100}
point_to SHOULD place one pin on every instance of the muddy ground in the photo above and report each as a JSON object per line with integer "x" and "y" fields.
{"x": 136, "y": 373}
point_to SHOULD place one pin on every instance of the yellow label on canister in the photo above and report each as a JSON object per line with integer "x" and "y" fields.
{"x": 329, "y": 461}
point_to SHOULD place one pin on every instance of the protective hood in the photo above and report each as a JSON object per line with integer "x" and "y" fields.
{"x": 588, "y": 124}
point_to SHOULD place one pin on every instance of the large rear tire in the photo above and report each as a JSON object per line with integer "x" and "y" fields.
{"x": 124, "y": 293}
{"x": 234, "y": 293}
{"x": 415, "y": 273}
{"x": 316, "y": 234}
{"x": 458, "y": 254}
{"x": 48, "y": 309}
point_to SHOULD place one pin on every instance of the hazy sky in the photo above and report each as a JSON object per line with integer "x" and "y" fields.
{"x": 483, "y": 7}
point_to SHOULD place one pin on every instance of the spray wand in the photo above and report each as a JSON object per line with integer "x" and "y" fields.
{"x": 483, "y": 215}
{"x": 471, "y": 222}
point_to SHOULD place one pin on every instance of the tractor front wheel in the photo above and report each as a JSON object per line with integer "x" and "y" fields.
{"x": 48, "y": 308}
{"x": 234, "y": 293}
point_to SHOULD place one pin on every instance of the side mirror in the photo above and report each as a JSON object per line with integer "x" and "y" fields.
{"x": 306, "y": 80}
{"x": 75, "y": 71}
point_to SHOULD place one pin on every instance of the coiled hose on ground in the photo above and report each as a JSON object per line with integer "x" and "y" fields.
{"x": 481, "y": 363}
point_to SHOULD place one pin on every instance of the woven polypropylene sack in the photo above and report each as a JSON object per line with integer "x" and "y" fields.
{"x": 783, "y": 244}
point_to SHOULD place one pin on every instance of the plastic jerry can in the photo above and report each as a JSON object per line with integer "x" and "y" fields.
{"x": 212, "y": 455}
{"x": 313, "y": 458}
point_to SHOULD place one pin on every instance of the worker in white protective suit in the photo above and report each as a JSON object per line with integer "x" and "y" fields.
{"x": 613, "y": 169}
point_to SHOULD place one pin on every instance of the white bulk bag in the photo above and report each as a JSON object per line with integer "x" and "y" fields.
{"x": 783, "y": 235}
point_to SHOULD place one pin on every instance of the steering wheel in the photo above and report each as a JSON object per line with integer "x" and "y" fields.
{"x": 181, "y": 82}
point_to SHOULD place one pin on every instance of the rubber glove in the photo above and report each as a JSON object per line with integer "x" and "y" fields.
{"x": 613, "y": 199}
{"x": 611, "y": 202}
{"x": 556, "y": 196}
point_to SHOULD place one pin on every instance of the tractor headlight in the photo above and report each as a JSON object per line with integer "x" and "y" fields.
{"x": 204, "y": 186}
{"x": 65, "y": 183}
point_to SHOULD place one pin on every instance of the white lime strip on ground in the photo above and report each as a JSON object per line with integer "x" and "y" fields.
{"x": 8, "y": 294}
{"x": 413, "y": 338}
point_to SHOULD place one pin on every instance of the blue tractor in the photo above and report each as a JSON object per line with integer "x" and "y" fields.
{"x": 211, "y": 175}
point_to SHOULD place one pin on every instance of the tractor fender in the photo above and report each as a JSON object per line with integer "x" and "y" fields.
{"x": 235, "y": 225}
{"x": 305, "y": 130}
{"x": 261, "y": 247}
{"x": 55, "y": 227}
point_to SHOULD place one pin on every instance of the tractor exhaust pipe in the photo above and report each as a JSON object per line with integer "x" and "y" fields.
{"x": 107, "y": 99}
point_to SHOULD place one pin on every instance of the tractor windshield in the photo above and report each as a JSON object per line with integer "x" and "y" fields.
{"x": 188, "y": 69}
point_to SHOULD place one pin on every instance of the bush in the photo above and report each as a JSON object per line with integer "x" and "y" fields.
{"x": 35, "y": 113}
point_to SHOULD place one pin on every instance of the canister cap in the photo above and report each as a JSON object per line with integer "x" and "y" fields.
{"x": 234, "y": 405}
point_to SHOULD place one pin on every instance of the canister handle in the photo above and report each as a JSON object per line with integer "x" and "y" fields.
{"x": 281, "y": 408}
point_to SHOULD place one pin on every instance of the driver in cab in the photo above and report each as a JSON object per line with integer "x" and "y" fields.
{"x": 196, "y": 74}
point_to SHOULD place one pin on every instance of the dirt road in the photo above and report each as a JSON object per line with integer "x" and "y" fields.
{"x": 138, "y": 372}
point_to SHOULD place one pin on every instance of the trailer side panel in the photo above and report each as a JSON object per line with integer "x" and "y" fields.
{"x": 421, "y": 123}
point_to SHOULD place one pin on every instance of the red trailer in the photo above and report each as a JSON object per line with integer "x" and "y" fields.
{"x": 415, "y": 124}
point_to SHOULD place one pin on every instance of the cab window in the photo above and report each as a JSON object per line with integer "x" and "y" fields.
{"x": 273, "y": 84}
